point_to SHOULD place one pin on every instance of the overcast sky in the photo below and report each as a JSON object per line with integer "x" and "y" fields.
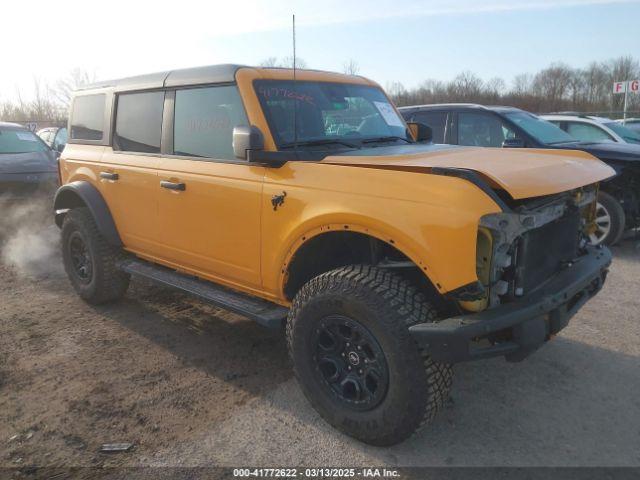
{"x": 406, "y": 41}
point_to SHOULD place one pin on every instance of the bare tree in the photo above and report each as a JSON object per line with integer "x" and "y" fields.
{"x": 551, "y": 85}
{"x": 522, "y": 84}
{"x": 269, "y": 62}
{"x": 350, "y": 67}
{"x": 285, "y": 62}
{"x": 466, "y": 86}
{"x": 595, "y": 84}
{"x": 558, "y": 87}
{"x": 65, "y": 87}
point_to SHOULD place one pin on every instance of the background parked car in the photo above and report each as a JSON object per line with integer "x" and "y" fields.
{"x": 55, "y": 137}
{"x": 588, "y": 128}
{"x": 477, "y": 125}
{"x": 631, "y": 123}
{"x": 27, "y": 164}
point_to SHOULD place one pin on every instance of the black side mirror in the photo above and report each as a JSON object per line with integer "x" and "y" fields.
{"x": 246, "y": 137}
{"x": 420, "y": 132}
{"x": 513, "y": 143}
{"x": 59, "y": 147}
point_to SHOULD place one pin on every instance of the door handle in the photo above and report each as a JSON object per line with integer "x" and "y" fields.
{"x": 173, "y": 185}
{"x": 109, "y": 176}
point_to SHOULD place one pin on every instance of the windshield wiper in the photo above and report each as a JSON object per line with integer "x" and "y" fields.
{"x": 390, "y": 138}
{"x": 323, "y": 141}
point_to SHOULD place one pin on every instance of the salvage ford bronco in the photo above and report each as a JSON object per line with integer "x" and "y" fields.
{"x": 303, "y": 199}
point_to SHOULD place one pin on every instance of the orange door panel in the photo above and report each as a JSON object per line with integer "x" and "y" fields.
{"x": 210, "y": 218}
{"x": 128, "y": 183}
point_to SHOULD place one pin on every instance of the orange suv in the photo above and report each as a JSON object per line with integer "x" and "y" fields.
{"x": 307, "y": 201}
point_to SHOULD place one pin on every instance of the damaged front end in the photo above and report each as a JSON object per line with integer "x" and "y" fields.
{"x": 535, "y": 270}
{"x": 519, "y": 250}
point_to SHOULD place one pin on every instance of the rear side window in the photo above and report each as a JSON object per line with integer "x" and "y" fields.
{"x": 87, "y": 118}
{"x": 204, "y": 119}
{"x": 587, "y": 133}
{"x": 434, "y": 120}
{"x": 139, "y": 122}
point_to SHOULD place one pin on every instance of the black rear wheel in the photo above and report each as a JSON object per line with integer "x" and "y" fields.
{"x": 355, "y": 360}
{"x": 90, "y": 261}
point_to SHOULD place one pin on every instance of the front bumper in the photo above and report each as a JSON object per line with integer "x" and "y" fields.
{"x": 525, "y": 324}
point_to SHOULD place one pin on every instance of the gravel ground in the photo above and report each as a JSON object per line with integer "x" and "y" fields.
{"x": 192, "y": 385}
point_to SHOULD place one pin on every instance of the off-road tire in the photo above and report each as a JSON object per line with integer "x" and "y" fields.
{"x": 106, "y": 282}
{"x": 617, "y": 216}
{"x": 387, "y": 305}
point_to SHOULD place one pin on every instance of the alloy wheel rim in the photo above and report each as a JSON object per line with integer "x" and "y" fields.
{"x": 80, "y": 258}
{"x": 603, "y": 225}
{"x": 350, "y": 363}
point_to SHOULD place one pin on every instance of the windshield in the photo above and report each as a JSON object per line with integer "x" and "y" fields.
{"x": 626, "y": 133}
{"x": 543, "y": 131}
{"x": 14, "y": 140}
{"x": 329, "y": 114}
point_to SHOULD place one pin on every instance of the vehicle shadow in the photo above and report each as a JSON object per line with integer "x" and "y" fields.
{"x": 222, "y": 344}
{"x": 571, "y": 404}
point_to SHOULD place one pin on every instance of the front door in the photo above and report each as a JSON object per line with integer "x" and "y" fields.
{"x": 209, "y": 202}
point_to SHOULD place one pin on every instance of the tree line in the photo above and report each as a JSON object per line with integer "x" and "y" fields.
{"x": 558, "y": 87}
{"x": 48, "y": 102}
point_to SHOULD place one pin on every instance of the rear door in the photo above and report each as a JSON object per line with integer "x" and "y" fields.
{"x": 209, "y": 202}
{"x": 128, "y": 176}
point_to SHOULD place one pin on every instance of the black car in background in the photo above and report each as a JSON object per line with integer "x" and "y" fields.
{"x": 477, "y": 125}
{"x": 28, "y": 166}
{"x": 55, "y": 137}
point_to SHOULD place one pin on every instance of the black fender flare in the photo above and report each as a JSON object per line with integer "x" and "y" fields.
{"x": 83, "y": 194}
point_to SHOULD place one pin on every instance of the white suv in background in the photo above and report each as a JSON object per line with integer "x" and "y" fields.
{"x": 586, "y": 128}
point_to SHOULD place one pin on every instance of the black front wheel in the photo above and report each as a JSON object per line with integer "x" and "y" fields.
{"x": 90, "y": 261}
{"x": 348, "y": 337}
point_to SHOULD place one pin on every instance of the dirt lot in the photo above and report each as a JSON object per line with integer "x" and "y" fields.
{"x": 189, "y": 384}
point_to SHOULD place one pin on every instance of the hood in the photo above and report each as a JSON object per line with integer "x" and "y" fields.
{"x": 523, "y": 173}
{"x": 607, "y": 151}
{"x": 33, "y": 162}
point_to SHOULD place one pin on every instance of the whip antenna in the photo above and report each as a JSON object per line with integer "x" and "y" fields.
{"x": 295, "y": 99}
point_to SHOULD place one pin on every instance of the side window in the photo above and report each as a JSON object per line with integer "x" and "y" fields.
{"x": 482, "y": 130}
{"x": 434, "y": 120}
{"x": 204, "y": 119}
{"x": 586, "y": 132}
{"x": 139, "y": 122}
{"x": 87, "y": 118}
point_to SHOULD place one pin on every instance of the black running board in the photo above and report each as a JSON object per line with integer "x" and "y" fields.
{"x": 262, "y": 311}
